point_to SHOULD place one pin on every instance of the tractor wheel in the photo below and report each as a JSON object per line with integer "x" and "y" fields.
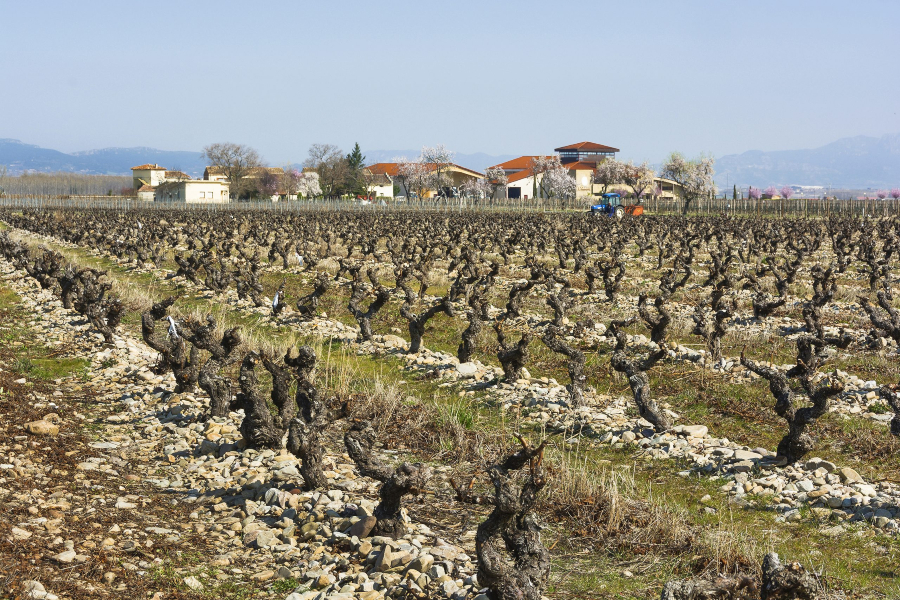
{"x": 620, "y": 212}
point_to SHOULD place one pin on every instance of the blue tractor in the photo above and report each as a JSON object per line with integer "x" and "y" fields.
{"x": 611, "y": 205}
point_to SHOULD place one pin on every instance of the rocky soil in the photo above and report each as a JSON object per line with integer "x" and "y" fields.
{"x": 113, "y": 486}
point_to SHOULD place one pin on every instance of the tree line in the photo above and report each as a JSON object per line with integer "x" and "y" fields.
{"x": 62, "y": 183}
{"x": 327, "y": 171}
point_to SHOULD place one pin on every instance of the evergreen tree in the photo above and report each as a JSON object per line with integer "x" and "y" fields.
{"x": 356, "y": 159}
{"x": 356, "y": 162}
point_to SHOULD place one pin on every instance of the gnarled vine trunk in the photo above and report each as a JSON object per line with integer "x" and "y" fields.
{"x": 395, "y": 482}
{"x": 512, "y": 561}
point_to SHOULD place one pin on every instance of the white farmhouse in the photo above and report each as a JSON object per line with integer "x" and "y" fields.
{"x": 193, "y": 191}
{"x": 156, "y": 183}
{"x": 379, "y": 185}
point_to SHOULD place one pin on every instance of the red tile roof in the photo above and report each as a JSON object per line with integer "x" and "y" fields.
{"x": 523, "y": 162}
{"x": 146, "y": 188}
{"x": 392, "y": 169}
{"x": 587, "y": 147}
{"x": 148, "y": 167}
{"x": 523, "y": 174}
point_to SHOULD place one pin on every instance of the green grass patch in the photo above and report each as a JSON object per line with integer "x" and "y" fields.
{"x": 26, "y": 355}
{"x": 50, "y": 368}
{"x": 285, "y": 586}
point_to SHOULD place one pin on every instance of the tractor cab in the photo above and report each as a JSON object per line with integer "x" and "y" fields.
{"x": 611, "y": 205}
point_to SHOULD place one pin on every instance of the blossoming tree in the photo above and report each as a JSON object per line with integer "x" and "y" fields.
{"x": 638, "y": 177}
{"x": 694, "y": 176}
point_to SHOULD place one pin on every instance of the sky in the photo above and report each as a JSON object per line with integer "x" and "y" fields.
{"x": 648, "y": 77}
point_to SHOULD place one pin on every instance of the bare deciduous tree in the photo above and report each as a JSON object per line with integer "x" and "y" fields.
{"x": 236, "y": 161}
{"x": 289, "y": 181}
{"x": 330, "y": 163}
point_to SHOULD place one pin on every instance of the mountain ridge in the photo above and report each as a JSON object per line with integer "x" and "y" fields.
{"x": 19, "y": 156}
{"x": 852, "y": 162}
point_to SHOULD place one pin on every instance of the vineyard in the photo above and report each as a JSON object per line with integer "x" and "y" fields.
{"x": 422, "y": 404}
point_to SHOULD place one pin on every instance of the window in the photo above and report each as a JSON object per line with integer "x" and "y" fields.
{"x": 203, "y": 194}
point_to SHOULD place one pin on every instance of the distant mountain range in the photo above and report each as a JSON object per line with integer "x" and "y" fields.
{"x": 19, "y": 157}
{"x": 854, "y": 162}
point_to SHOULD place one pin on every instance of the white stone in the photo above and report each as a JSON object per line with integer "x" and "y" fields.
{"x": 467, "y": 369}
{"x": 698, "y": 431}
{"x": 65, "y": 557}
{"x": 746, "y": 455}
{"x": 193, "y": 583}
{"x": 865, "y": 489}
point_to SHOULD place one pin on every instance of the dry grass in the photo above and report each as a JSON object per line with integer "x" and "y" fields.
{"x": 608, "y": 509}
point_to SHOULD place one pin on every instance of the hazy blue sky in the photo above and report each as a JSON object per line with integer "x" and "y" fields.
{"x": 497, "y": 77}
